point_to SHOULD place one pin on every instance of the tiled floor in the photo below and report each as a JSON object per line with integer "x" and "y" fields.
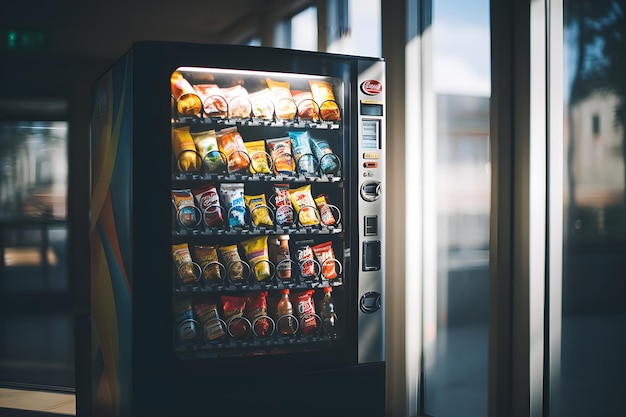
{"x": 49, "y": 402}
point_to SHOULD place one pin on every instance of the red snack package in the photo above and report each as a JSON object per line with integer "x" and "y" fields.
{"x": 233, "y": 315}
{"x": 256, "y": 308}
{"x": 305, "y": 257}
{"x": 284, "y": 209}
{"x": 326, "y": 257}
{"x": 208, "y": 199}
{"x": 305, "y": 309}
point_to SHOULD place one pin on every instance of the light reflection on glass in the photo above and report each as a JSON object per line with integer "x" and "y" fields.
{"x": 593, "y": 311}
{"x": 455, "y": 359}
{"x": 33, "y": 205}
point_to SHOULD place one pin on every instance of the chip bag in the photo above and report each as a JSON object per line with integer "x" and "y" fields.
{"x": 257, "y": 254}
{"x": 259, "y": 212}
{"x": 304, "y": 204}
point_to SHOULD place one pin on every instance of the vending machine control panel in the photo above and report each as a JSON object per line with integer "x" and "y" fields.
{"x": 371, "y": 207}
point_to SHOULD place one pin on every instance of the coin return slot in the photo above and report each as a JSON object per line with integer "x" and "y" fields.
{"x": 370, "y": 191}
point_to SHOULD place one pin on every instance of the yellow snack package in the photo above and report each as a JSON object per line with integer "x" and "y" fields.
{"x": 184, "y": 150}
{"x": 257, "y": 254}
{"x": 284, "y": 106}
{"x": 257, "y": 205}
{"x": 304, "y": 204}
{"x": 258, "y": 157}
{"x": 188, "y": 102}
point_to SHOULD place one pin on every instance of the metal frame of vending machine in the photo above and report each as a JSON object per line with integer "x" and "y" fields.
{"x": 185, "y": 205}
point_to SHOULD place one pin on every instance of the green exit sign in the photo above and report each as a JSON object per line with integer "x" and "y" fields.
{"x": 19, "y": 40}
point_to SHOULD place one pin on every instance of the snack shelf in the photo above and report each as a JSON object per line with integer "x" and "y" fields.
{"x": 222, "y": 123}
{"x": 188, "y": 176}
{"x": 229, "y": 348}
{"x": 203, "y": 287}
{"x": 278, "y": 230}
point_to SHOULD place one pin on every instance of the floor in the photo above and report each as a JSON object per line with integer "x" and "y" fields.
{"x": 48, "y": 402}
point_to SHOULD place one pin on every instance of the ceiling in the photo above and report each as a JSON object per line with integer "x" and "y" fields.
{"x": 105, "y": 29}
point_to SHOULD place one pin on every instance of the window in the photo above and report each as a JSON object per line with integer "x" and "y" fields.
{"x": 36, "y": 320}
{"x": 298, "y": 32}
{"x": 595, "y": 124}
{"x": 338, "y": 20}
{"x": 588, "y": 344}
{"x": 457, "y": 200}
{"x": 354, "y": 27}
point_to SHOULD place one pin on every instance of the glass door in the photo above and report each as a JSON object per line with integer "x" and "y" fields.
{"x": 258, "y": 207}
{"x": 588, "y": 343}
{"x": 456, "y": 209}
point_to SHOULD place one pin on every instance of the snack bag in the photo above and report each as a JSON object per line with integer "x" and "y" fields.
{"x": 258, "y": 157}
{"x": 186, "y": 211}
{"x": 208, "y": 260}
{"x": 326, "y": 214}
{"x": 258, "y": 257}
{"x": 280, "y": 151}
{"x": 186, "y": 327}
{"x": 303, "y": 203}
{"x": 233, "y": 262}
{"x": 284, "y": 106}
{"x": 305, "y": 310}
{"x": 230, "y": 143}
{"x": 238, "y": 102}
{"x": 307, "y": 107}
{"x": 212, "y": 327}
{"x": 232, "y": 196}
{"x": 262, "y": 104}
{"x": 214, "y": 104}
{"x": 188, "y": 103}
{"x": 326, "y": 257}
{"x": 206, "y": 145}
{"x": 234, "y": 308}
{"x": 209, "y": 201}
{"x": 322, "y": 92}
{"x": 329, "y": 162}
{"x": 184, "y": 148}
{"x": 305, "y": 258}
{"x": 306, "y": 163}
{"x": 259, "y": 212}
{"x": 256, "y": 312}
{"x": 284, "y": 209}
{"x": 184, "y": 264}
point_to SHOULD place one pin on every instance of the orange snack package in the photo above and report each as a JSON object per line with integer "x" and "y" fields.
{"x": 280, "y": 151}
{"x": 231, "y": 144}
{"x": 322, "y": 92}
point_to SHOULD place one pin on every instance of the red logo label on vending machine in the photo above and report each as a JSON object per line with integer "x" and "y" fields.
{"x": 372, "y": 87}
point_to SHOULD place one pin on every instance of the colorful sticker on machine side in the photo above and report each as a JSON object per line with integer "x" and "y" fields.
{"x": 372, "y": 87}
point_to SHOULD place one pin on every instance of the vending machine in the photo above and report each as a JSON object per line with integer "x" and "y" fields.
{"x": 238, "y": 233}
